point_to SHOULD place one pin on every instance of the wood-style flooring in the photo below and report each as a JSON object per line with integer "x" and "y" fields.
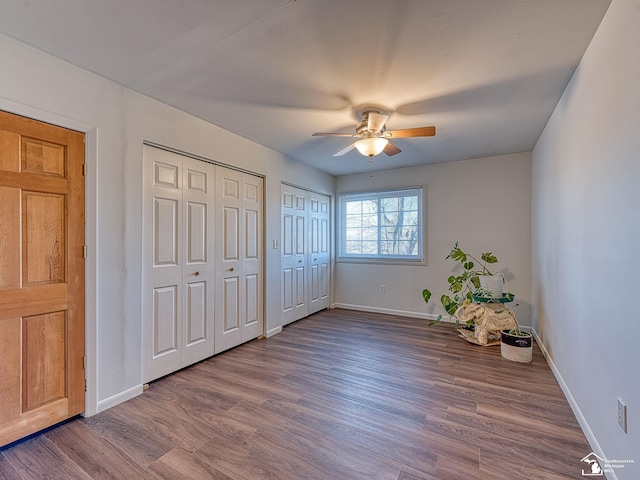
{"x": 338, "y": 395}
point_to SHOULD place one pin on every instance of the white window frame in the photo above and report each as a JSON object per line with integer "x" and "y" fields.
{"x": 377, "y": 195}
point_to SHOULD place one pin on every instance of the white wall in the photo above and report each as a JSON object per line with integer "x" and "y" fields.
{"x": 586, "y": 236}
{"x": 483, "y": 203}
{"x": 117, "y": 120}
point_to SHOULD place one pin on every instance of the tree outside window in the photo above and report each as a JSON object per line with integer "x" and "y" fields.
{"x": 385, "y": 225}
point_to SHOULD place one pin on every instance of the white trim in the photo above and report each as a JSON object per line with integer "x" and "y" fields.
{"x": 273, "y": 331}
{"x": 119, "y": 398}
{"x": 387, "y": 311}
{"x": 582, "y": 421}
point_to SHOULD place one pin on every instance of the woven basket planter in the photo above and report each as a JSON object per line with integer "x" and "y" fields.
{"x": 518, "y": 348}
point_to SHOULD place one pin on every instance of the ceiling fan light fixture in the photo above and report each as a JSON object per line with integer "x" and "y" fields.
{"x": 372, "y": 146}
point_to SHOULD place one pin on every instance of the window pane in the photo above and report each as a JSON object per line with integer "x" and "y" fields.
{"x": 381, "y": 225}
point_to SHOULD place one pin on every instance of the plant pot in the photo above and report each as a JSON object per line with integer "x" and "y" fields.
{"x": 493, "y": 284}
{"x": 518, "y": 348}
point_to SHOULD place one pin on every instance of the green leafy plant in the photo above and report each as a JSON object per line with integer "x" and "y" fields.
{"x": 463, "y": 286}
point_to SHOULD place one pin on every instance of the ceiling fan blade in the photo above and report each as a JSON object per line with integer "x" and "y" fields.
{"x": 322, "y": 134}
{"x": 376, "y": 121}
{"x": 345, "y": 150}
{"x": 391, "y": 149}
{"x": 412, "y": 132}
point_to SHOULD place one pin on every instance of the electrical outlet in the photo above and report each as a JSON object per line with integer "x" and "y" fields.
{"x": 383, "y": 289}
{"x": 622, "y": 415}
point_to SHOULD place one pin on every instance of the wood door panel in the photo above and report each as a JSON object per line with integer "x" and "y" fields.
{"x": 42, "y": 303}
{"x": 9, "y": 224}
{"x": 10, "y": 369}
{"x": 32, "y": 182}
{"x": 34, "y": 300}
{"x": 43, "y": 157}
{"x": 43, "y": 238}
{"x": 10, "y": 148}
{"x": 43, "y": 362}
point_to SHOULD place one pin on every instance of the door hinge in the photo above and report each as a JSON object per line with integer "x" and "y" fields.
{"x": 84, "y": 251}
{"x": 84, "y": 169}
{"x": 84, "y": 362}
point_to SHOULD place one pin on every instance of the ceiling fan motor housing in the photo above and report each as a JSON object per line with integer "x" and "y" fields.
{"x": 362, "y": 128}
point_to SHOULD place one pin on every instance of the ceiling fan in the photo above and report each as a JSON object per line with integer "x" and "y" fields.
{"x": 374, "y": 137}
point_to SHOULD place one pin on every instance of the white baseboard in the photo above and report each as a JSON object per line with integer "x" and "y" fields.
{"x": 119, "y": 398}
{"x": 584, "y": 425}
{"x": 387, "y": 311}
{"x": 273, "y": 331}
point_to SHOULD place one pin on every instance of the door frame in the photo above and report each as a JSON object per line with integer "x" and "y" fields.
{"x": 90, "y": 207}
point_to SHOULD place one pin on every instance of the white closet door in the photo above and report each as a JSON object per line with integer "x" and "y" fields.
{"x": 318, "y": 258}
{"x": 198, "y": 270}
{"x": 162, "y": 332}
{"x": 239, "y": 287}
{"x": 294, "y": 254}
{"x": 252, "y": 214}
{"x": 178, "y": 275}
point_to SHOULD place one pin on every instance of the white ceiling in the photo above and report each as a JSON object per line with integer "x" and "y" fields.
{"x": 486, "y": 73}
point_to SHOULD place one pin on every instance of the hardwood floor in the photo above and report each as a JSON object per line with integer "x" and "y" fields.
{"x": 339, "y": 395}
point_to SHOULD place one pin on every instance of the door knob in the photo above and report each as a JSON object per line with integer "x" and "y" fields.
{"x": 197, "y": 273}
{"x": 231, "y": 269}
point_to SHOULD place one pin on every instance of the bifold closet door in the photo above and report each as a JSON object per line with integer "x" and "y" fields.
{"x": 294, "y": 254}
{"x": 178, "y": 305}
{"x": 318, "y": 257}
{"x": 239, "y": 284}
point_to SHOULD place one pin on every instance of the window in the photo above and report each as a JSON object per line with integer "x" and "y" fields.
{"x": 381, "y": 225}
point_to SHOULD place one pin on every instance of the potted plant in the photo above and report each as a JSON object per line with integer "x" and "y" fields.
{"x": 468, "y": 283}
{"x": 516, "y": 344}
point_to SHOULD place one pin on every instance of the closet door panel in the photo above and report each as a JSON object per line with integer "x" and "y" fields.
{"x": 198, "y": 270}
{"x": 319, "y": 255}
{"x": 252, "y": 214}
{"x": 162, "y": 333}
{"x": 228, "y": 265}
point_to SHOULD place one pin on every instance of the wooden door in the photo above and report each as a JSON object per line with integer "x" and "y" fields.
{"x": 318, "y": 258}
{"x": 239, "y": 311}
{"x": 42, "y": 272}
